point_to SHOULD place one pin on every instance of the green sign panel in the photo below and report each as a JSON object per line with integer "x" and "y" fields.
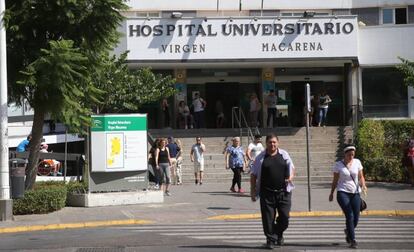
{"x": 118, "y": 123}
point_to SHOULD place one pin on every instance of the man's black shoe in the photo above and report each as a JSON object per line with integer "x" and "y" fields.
{"x": 280, "y": 241}
{"x": 347, "y": 239}
{"x": 270, "y": 244}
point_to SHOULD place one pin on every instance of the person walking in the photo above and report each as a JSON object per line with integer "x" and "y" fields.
{"x": 348, "y": 179}
{"x": 179, "y": 176}
{"x": 408, "y": 159}
{"x": 197, "y": 156}
{"x": 324, "y": 101}
{"x": 163, "y": 162}
{"x": 271, "y": 103}
{"x": 271, "y": 178}
{"x": 151, "y": 162}
{"x": 199, "y": 105}
{"x": 254, "y": 149}
{"x": 236, "y": 160}
{"x": 173, "y": 150}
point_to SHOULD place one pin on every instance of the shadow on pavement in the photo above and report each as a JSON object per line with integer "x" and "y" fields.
{"x": 225, "y": 194}
{"x": 262, "y": 247}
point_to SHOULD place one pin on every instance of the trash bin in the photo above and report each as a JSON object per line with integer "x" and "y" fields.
{"x": 17, "y": 174}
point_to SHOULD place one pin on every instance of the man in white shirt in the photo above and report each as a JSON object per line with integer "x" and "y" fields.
{"x": 197, "y": 156}
{"x": 198, "y": 105}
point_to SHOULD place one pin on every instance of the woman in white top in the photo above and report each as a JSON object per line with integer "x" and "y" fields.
{"x": 324, "y": 101}
{"x": 348, "y": 179}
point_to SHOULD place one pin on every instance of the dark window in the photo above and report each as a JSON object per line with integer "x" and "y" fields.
{"x": 384, "y": 93}
{"x": 400, "y": 15}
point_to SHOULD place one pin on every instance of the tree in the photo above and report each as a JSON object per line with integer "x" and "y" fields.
{"x": 407, "y": 68}
{"x": 125, "y": 89}
{"x": 53, "y": 47}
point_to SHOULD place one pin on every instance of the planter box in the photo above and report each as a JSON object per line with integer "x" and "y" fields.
{"x": 114, "y": 198}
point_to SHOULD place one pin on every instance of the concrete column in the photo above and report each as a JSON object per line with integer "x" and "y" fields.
{"x": 354, "y": 93}
{"x": 5, "y": 201}
{"x": 268, "y": 83}
{"x": 180, "y": 76}
{"x": 410, "y": 94}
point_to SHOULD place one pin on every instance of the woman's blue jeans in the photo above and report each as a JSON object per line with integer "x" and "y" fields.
{"x": 350, "y": 204}
{"x": 322, "y": 115}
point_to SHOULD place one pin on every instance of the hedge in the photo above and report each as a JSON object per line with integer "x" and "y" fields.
{"x": 44, "y": 198}
{"x": 380, "y": 148}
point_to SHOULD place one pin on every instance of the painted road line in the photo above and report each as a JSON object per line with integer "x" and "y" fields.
{"x": 89, "y": 224}
{"x": 317, "y": 214}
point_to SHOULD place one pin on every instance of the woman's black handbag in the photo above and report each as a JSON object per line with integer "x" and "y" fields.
{"x": 363, "y": 205}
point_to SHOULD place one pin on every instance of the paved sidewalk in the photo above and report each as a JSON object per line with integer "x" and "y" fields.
{"x": 191, "y": 203}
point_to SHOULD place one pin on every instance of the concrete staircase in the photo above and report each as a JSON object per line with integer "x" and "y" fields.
{"x": 326, "y": 145}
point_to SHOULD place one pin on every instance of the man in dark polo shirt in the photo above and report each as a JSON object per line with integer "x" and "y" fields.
{"x": 271, "y": 179}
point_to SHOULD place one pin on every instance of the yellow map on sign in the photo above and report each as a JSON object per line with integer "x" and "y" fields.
{"x": 114, "y": 151}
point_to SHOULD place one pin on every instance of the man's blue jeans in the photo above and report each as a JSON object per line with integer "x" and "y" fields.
{"x": 350, "y": 204}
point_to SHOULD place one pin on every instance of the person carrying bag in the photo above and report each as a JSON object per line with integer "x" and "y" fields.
{"x": 347, "y": 175}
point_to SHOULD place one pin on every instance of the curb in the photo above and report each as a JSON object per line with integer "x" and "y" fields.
{"x": 73, "y": 225}
{"x": 399, "y": 213}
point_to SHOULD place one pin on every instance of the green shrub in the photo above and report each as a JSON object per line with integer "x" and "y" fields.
{"x": 77, "y": 187}
{"x": 396, "y": 133}
{"x": 384, "y": 169}
{"x": 44, "y": 198}
{"x": 379, "y": 146}
{"x": 370, "y": 139}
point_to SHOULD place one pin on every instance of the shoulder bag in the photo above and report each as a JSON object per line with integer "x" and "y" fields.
{"x": 363, "y": 202}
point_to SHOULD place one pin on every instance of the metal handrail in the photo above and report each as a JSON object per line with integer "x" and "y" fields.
{"x": 240, "y": 119}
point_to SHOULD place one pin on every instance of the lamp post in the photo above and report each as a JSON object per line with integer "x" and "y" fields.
{"x": 6, "y": 204}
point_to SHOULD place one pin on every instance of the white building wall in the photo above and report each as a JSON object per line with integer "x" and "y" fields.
{"x": 157, "y": 5}
{"x": 381, "y": 45}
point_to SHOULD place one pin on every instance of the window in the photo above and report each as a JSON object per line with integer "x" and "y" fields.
{"x": 147, "y": 14}
{"x": 394, "y": 16}
{"x": 384, "y": 93}
{"x": 300, "y": 13}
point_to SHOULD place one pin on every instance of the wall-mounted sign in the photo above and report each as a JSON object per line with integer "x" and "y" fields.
{"x": 119, "y": 143}
{"x": 242, "y": 38}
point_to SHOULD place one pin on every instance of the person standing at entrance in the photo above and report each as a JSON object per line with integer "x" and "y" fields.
{"x": 199, "y": 105}
{"x": 324, "y": 101}
{"x": 271, "y": 178}
{"x": 347, "y": 178}
{"x": 271, "y": 102}
{"x": 197, "y": 156}
{"x": 165, "y": 112}
{"x": 254, "y": 110}
{"x": 235, "y": 160}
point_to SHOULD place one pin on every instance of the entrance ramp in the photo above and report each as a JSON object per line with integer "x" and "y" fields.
{"x": 326, "y": 144}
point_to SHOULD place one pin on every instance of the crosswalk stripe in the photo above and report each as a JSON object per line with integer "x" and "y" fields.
{"x": 289, "y": 233}
{"x": 291, "y": 226}
{"x": 293, "y": 241}
{"x": 300, "y": 236}
{"x": 327, "y": 230}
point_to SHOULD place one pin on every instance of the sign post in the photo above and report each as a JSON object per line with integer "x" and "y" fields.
{"x": 118, "y": 152}
{"x": 308, "y": 110}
